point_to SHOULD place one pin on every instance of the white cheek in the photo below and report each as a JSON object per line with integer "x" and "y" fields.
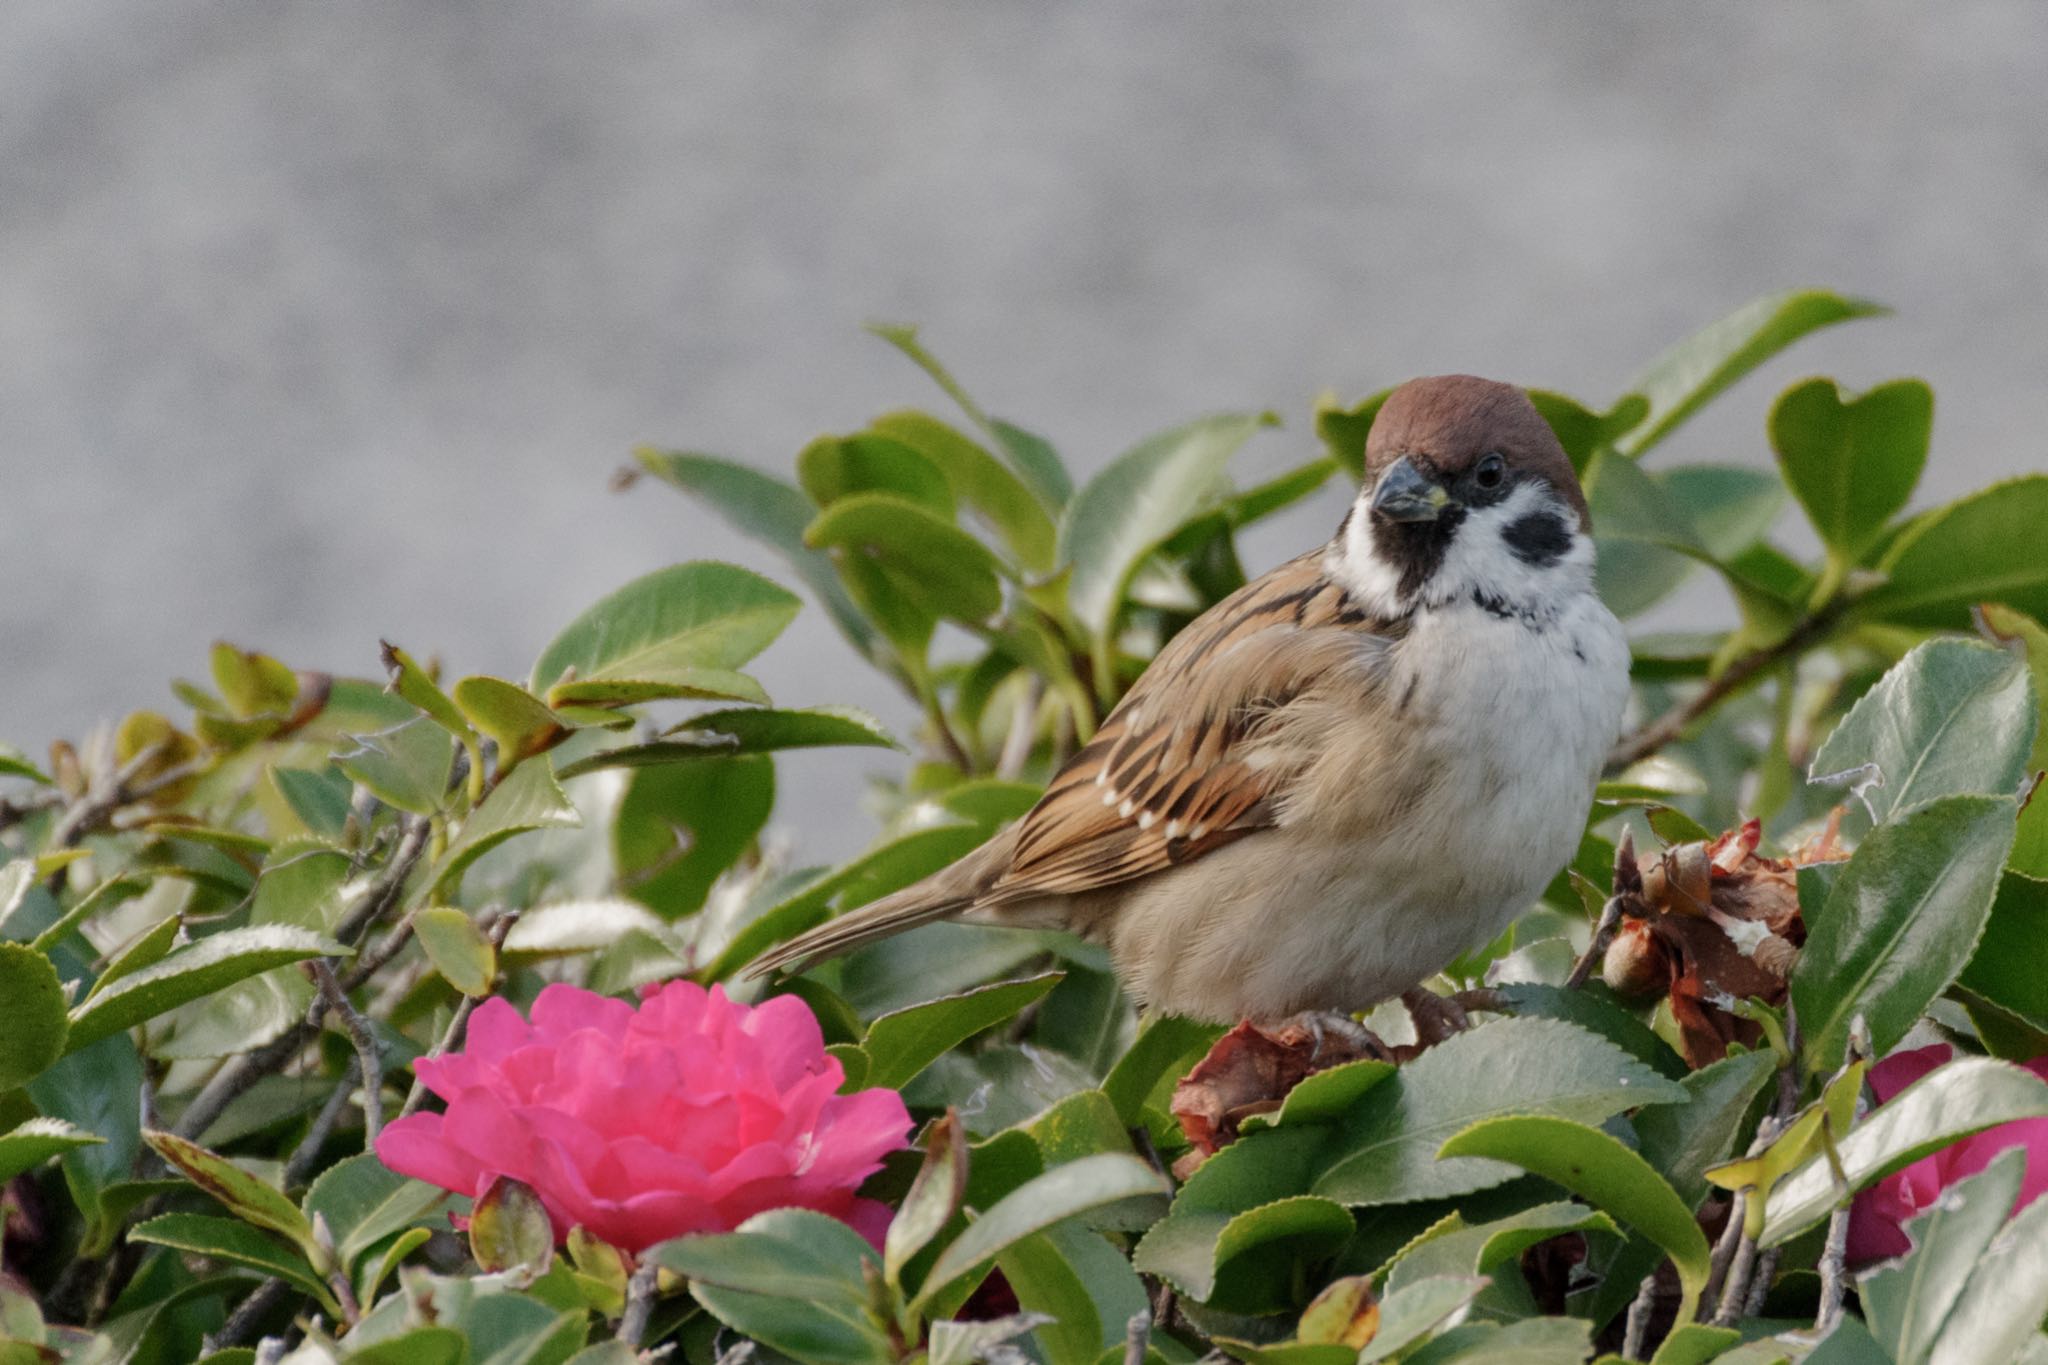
{"x": 1372, "y": 582}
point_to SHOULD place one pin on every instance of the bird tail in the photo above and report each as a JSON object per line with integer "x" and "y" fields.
{"x": 914, "y": 905}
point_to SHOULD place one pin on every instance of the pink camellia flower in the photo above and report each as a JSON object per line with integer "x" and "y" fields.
{"x": 1877, "y": 1219}
{"x": 690, "y": 1113}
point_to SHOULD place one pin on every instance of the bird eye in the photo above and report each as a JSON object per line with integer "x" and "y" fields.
{"x": 1491, "y": 471}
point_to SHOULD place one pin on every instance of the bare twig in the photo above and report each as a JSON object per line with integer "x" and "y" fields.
{"x": 1834, "y": 1272}
{"x": 1724, "y": 1253}
{"x": 1760, "y": 1285}
{"x": 91, "y": 811}
{"x": 1137, "y": 1337}
{"x": 639, "y": 1303}
{"x": 1737, "y": 675}
{"x": 1627, "y": 879}
{"x": 300, "y": 1164}
{"x": 369, "y": 1053}
{"x": 1735, "y": 1291}
{"x": 1639, "y": 1310}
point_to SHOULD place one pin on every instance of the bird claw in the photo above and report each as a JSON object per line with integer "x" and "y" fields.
{"x": 1436, "y": 1017}
{"x": 1326, "y": 1026}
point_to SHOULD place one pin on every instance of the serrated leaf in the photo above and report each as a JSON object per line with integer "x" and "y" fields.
{"x": 412, "y": 682}
{"x": 196, "y": 970}
{"x": 791, "y": 1279}
{"x": 1137, "y": 501}
{"x": 529, "y": 799}
{"x": 770, "y": 511}
{"x": 458, "y": 949}
{"x": 1164, "y": 1048}
{"x": 580, "y": 926}
{"x": 1683, "y": 378}
{"x": 33, "y": 1018}
{"x": 14, "y": 764}
{"x": 1385, "y": 1151}
{"x": 1247, "y": 1262}
{"x": 248, "y": 1198}
{"x": 1680, "y": 1141}
{"x": 1852, "y": 461}
{"x": 29, "y": 1144}
{"x": 748, "y": 730}
{"x": 1908, "y": 1302}
{"x": 1596, "y": 1167}
{"x": 1982, "y": 548}
{"x": 901, "y": 1044}
{"x": 1899, "y": 923}
{"x": 1039, "y": 1203}
{"x": 667, "y": 627}
{"x": 228, "y": 1239}
{"x": 1959, "y": 1098}
{"x": 1953, "y": 717}
{"x": 835, "y": 468}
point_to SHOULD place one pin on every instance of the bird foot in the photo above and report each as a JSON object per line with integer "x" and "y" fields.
{"x": 1329, "y": 1029}
{"x": 1436, "y": 1017}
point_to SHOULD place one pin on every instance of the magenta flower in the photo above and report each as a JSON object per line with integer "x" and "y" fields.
{"x": 690, "y": 1113}
{"x": 1877, "y": 1219}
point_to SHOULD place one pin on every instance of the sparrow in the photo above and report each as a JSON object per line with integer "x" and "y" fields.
{"x": 1348, "y": 771}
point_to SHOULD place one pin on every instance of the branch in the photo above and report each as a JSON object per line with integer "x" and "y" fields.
{"x": 94, "y": 809}
{"x": 1650, "y": 738}
{"x": 369, "y": 1053}
{"x": 639, "y": 1302}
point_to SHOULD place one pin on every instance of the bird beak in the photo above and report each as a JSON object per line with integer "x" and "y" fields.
{"x": 1405, "y": 493}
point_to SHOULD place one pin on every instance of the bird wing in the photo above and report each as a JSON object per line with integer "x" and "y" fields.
{"x": 1187, "y": 763}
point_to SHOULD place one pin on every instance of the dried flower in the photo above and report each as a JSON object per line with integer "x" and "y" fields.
{"x": 688, "y": 1113}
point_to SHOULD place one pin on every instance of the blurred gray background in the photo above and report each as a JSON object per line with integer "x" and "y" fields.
{"x": 325, "y": 321}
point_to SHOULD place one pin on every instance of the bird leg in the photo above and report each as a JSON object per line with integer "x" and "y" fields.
{"x": 1436, "y": 1017}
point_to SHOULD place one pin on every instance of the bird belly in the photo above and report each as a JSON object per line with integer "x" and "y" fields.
{"x": 1417, "y": 848}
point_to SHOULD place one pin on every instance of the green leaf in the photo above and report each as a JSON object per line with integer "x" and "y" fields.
{"x": 1959, "y": 1098}
{"x": 2006, "y": 968}
{"x": 301, "y": 884}
{"x": 580, "y": 926}
{"x": 527, "y": 800}
{"x": 1953, "y": 717}
{"x": 319, "y": 797}
{"x": 1643, "y": 542}
{"x": 1343, "y": 430}
{"x": 1533, "y": 1341}
{"x": 513, "y": 717}
{"x": 981, "y": 482}
{"x": 412, "y": 682}
{"x": 144, "y": 950}
{"x": 31, "y": 1143}
{"x": 509, "y": 1229}
{"x": 1606, "y": 1174}
{"x": 771, "y": 512}
{"x": 902, "y": 1044}
{"x": 1983, "y": 548}
{"x": 1418, "y": 1310}
{"x": 934, "y": 1196}
{"x": 1852, "y": 462}
{"x": 1679, "y": 381}
{"x": 1385, "y": 1151}
{"x": 458, "y": 949}
{"x": 1249, "y": 1262}
{"x": 1163, "y": 1050}
{"x": 1074, "y": 1277}
{"x": 1999, "y": 1308}
{"x": 1487, "y": 1247}
{"x": 407, "y": 766}
{"x": 683, "y": 628}
{"x": 1694, "y": 1343}
{"x": 1594, "y": 1009}
{"x": 792, "y": 1280}
{"x": 228, "y": 1239}
{"x": 1060, "y": 1193}
{"x": 33, "y": 1019}
{"x": 248, "y": 1198}
{"x": 680, "y": 826}
{"x": 833, "y": 468}
{"x": 252, "y": 684}
{"x": 1681, "y": 1140}
{"x": 1908, "y": 1302}
{"x": 364, "y": 1201}
{"x": 930, "y": 560}
{"x": 14, "y": 764}
{"x": 1035, "y": 460}
{"x": 196, "y": 970}
{"x": 95, "y": 1090}
{"x": 743, "y": 730}
{"x": 1900, "y": 922}
{"x": 1730, "y": 508}
{"x": 1141, "y": 498}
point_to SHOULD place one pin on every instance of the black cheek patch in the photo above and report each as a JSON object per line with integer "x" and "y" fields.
{"x": 1539, "y": 539}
